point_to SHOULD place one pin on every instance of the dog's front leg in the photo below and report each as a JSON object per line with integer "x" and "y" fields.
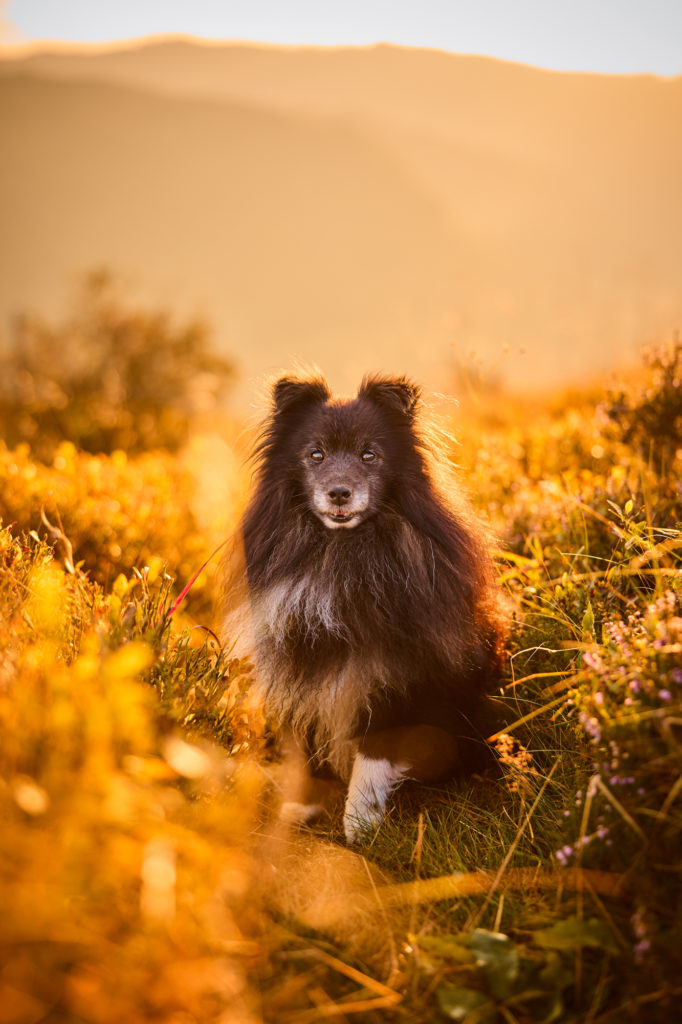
{"x": 305, "y": 797}
{"x": 372, "y": 781}
{"x": 386, "y": 758}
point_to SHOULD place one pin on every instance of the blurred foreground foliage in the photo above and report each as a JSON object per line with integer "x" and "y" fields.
{"x": 123, "y": 871}
{"x": 141, "y": 875}
{"x": 108, "y": 377}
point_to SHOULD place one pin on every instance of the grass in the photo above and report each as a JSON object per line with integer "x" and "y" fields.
{"x": 143, "y": 874}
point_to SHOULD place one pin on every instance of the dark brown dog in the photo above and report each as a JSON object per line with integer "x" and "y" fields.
{"x": 374, "y": 611}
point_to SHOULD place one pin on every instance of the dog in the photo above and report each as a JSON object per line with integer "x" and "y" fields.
{"x": 371, "y": 597}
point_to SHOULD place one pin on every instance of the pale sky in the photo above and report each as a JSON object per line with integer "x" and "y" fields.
{"x": 574, "y": 35}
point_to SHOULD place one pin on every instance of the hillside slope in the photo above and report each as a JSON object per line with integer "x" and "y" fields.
{"x": 355, "y": 207}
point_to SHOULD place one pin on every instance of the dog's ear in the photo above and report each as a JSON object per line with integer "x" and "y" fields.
{"x": 395, "y": 393}
{"x": 291, "y": 392}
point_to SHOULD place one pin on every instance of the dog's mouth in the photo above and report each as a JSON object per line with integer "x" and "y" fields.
{"x": 339, "y": 516}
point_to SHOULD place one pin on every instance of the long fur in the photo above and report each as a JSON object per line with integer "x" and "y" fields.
{"x": 396, "y": 621}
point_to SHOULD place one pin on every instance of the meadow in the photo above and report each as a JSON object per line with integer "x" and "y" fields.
{"x": 144, "y": 876}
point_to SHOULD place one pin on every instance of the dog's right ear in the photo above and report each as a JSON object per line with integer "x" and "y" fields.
{"x": 289, "y": 393}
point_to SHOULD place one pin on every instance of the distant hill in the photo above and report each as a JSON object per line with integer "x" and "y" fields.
{"x": 360, "y": 208}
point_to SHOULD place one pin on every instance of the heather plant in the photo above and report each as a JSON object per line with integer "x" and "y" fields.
{"x": 629, "y": 707}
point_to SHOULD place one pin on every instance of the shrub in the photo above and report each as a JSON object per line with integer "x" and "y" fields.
{"x": 108, "y": 377}
{"x": 650, "y": 419}
{"x": 115, "y": 512}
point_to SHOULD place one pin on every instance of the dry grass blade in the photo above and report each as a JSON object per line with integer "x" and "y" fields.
{"x": 332, "y": 1009}
{"x": 615, "y": 802}
{"x": 670, "y": 798}
{"x": 58, "y": 534}
{"x": 526, "y": 718}
{"x": 385, "y": 996}
{"x": 483, "y": 883}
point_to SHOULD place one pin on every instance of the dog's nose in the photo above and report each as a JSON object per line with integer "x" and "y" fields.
{"x": 339, "y": 495}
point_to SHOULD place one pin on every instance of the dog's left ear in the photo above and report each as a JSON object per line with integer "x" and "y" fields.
{"x": 395, "y": 393}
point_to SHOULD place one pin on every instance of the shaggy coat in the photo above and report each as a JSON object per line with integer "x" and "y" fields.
{"x": 372, "y": 596}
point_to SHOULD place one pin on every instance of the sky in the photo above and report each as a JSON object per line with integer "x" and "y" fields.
{"x": 617, "y": 36}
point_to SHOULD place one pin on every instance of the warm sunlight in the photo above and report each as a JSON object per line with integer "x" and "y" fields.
{"x": 340, "y": 513}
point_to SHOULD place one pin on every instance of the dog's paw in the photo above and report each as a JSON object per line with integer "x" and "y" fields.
{"x": 371, "y": 783}
{"x": 359, "y": 821}
{"x": 293, "y": 813}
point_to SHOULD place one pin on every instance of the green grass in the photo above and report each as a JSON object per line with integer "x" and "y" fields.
{"x": 143, "y": 873}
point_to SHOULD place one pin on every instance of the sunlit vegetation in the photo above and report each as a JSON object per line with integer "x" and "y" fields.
{"x": 143, "y": 874}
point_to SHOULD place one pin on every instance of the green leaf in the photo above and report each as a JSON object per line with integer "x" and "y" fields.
{"x": 449, "y": 947}
{"x": 498, "y": 956}
{"x": 457, "y": 1002}
{"x": 588, "y": 620}
{"x": 575, "y": 933}
{"x": 555, "y": 978}
{"x": 628, "y": 507}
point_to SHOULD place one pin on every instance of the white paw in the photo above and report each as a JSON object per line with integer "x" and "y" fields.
{"x": 299, "y": 814}
{"x": 360, "y": 820}
{"x": 371, "y": 783}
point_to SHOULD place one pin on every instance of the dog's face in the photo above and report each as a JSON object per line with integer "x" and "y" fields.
{"x": 344, "y": 483}
{"x": 346, "y": 452}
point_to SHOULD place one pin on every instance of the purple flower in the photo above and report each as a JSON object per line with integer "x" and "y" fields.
{"x": 634, "y": 685}
{"x": 593, "y": 661}
{"x": 599, "y": 697}
{"x": 676, "y": 675}
{"x": 591, "y": 726}
{"x": 642, "y": 947}
{"x": 665, "y": 695}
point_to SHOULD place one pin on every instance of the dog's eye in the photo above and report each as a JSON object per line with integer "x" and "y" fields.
{"x": 316, "y": 455}
{"x": 368, "y": 456}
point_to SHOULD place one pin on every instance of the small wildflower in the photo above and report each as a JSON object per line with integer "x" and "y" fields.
{"x": 593, "y": 661}
{"x": 665, "y": 695}
{"x": 591, "y": 726}
{"x": 514, "y": 757}
{"x": 642, "y": 947}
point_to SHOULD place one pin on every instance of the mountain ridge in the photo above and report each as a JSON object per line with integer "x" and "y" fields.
{"x": 406, "y": 215}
